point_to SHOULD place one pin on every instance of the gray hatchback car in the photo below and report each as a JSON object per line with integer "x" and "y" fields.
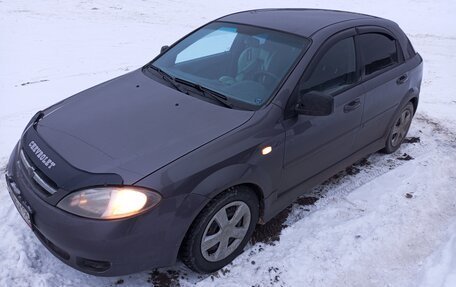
{"x": 220, "y": 132}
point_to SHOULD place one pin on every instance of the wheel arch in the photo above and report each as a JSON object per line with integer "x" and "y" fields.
{"x": 226, "y": 179}
{"x": 414, "y": 101}
{"x": 253, "y": 177}
{"x": 410, "y": 97}
{"x": 256, "y": 189}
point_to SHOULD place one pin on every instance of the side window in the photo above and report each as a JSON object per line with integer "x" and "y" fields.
{"x": 378, "y": 52}
{"x": 335, "y": 71}
{"x": 216, "y": 42}
{"x": 410, "y": 49}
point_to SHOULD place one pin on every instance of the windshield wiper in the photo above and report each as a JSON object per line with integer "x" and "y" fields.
{"x": 167, "y": 77}
{"x": 207, "y": 92}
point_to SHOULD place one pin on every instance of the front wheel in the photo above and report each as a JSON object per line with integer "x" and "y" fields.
{"x": 221, "y": 230}
{"x": 399, "y": 129}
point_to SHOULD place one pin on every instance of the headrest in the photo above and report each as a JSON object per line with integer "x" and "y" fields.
{"x": 252, "y": 42}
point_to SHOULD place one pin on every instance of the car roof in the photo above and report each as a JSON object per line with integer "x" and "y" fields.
{"x": 304, "y": 22}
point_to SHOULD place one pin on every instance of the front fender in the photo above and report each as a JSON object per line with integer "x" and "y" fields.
{"x": 210, "y": 187}
{"x": 233, "y": 175}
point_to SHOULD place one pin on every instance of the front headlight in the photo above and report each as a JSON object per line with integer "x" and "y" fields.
{"x": 109, "y": 202}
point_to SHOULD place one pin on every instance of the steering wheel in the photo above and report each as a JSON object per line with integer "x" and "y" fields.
{"x": 264, "y": 77}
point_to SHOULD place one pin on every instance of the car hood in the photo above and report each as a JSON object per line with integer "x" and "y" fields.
{"x": 132, "y": 126}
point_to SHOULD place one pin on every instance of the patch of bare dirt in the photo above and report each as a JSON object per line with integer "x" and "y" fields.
{"x": 170, "y": 278}
{"x": 405, "y": 157}
{"x": 270, "y": 232}
{"x": 412, "y": 140}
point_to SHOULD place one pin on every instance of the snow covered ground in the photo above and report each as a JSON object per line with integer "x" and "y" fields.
{"x": 387, "y": 221}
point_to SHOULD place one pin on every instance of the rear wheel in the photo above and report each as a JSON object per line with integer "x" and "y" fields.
{"x": 399, "y": 129}
{"x": 221, "y": 230}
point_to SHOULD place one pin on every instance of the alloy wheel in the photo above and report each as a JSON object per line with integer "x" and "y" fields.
{"x": 401, "y": 127}
{"x": 225, "y": 231}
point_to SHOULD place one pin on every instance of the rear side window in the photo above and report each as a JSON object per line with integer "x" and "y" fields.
{"x": 378, "y": 51}
{"x": 410, "y": 49}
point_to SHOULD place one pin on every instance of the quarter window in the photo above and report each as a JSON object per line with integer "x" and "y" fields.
{"x": 335, "y": 71}
{"x": 378, "y": 52}
{"x": 410, "y": 49}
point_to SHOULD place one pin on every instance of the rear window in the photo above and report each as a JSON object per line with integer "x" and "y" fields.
{"x": 378, "y": 52}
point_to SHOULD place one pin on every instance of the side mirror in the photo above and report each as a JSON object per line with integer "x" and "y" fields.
{"x": 315, "y": 104}
{"x": 163, "y": 49}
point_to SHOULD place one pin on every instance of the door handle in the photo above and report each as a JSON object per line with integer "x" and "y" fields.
{"x": 402, "y": 79}
{"x": 353, "y": 105}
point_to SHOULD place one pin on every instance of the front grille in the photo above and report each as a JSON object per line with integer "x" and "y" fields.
{"x": 38, "y": 177}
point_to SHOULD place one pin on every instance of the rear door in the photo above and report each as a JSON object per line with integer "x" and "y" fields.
{"x": 385, "y": 80}
{"x": 314, "y": 143}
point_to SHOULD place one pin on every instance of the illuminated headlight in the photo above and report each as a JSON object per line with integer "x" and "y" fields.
{"x": 109, "y": 202}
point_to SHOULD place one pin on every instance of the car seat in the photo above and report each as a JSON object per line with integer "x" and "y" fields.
{"x": 248, "y": 62}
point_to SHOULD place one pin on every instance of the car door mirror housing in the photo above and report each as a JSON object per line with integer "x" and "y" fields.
{"x": 314, "y": 104}
{"x": 164, "y": 49}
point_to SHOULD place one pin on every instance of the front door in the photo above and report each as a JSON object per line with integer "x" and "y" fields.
{"x": 315, "y": 143}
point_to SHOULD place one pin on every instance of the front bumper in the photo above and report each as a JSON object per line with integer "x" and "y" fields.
{"x": 107, "y": 248}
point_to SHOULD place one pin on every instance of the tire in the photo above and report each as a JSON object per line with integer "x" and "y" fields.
{"x": 399, "y": 129}
{"x": 234, "y": 212}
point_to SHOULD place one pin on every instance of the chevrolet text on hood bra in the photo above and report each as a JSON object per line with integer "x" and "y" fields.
{"x": 220, "y": 132}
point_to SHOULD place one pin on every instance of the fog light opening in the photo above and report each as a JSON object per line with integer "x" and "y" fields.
{"x": 93, "y": 265}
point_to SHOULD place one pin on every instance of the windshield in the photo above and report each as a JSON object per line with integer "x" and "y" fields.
{"x": 243, "y": 63}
